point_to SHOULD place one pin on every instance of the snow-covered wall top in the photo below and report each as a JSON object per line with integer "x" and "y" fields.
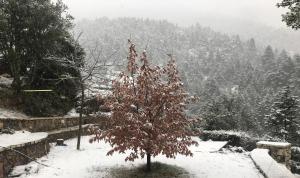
{"x": 268, "y": 166}
{"x": 275, "y": 144}
{"x": 20, "y": 138}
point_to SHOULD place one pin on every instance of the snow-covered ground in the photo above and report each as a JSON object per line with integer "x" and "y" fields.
{"x": 20, "y": 137}
{"x": 92, "y": 162}
{"x": 7, "y": 113}
{"x": 72, "y": 113}
{"x": 209, "y": 146}
{"x": 5, "y": 81}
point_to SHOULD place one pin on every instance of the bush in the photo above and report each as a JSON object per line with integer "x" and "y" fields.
{"x": 51, "y": 74}
{"x": 218, "y": 123}
{"x": 46, "y": 104}
{"x": 4, "y": 66}
{"x": 295, "y": 160}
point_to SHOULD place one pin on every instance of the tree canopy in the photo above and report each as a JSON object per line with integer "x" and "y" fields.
{"x": 32, "y": 30}
{"x": 38, "y": 48}
{"x": 292, "y": 17}
{"x": 148, "y": 111}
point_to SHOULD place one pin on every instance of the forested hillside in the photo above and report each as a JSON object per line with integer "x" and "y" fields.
{"x": 236, "y": 81}
{"x": 133, "y": 95}
{"x": 263, "y": 34}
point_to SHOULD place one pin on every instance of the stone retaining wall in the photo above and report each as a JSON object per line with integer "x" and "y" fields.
{"x": 10, "y": 158}
{"x": 67, "y": 133}
{"x": 46, "y": 123}
{"x": 281, "y": 152}
{"x": 57, "y": 127}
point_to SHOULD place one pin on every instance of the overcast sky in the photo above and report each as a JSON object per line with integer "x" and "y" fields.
{"x": 182, "y": 12}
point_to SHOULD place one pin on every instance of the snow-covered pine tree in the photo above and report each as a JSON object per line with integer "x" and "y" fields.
{"x": 291, "y": 17}
{"x": 148, "y": 106}
{"x": 268, "y": 58}
{"x": 283, "y": 120}
{"x": 296, "y": 75}
{"x": 282, "y": 75}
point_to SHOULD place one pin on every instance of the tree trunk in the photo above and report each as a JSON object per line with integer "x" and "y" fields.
{"x": 15, "y": 68}
{"x": 285, "y": 129}
{"x": 148, "y": 162}
{"x": 16, "y": 84}
{"x": 80, "y": 117}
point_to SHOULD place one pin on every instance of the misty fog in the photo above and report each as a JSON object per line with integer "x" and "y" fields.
{"x": 259, "y": 19}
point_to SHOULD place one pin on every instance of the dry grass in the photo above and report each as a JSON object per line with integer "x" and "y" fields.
{"x": 159, "y": 170}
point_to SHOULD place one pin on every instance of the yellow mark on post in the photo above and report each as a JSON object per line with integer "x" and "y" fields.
{"x": 29, "y": 91}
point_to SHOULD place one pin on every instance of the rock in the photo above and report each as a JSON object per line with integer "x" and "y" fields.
{"x": 60, "y": 142}
{"x": 236, "y": 149}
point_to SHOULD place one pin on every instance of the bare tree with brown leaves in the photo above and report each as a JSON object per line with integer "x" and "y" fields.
{"x": 92, "y": 70}
{"x": 148, "y": 112}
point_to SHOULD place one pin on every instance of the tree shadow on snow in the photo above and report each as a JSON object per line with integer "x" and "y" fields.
{"x": 158, "y": 170}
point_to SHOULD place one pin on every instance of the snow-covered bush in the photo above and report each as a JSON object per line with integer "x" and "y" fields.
{"x": 283, "y": 122}
{"x": 237, "y": 139}
{"x": 295, "y": 167}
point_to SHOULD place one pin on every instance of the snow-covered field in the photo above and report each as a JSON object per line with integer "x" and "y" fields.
{"x": 92, "y": 162}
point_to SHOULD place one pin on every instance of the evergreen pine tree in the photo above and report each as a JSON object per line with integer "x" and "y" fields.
{"x": 281, "y": 74}
{"x": 296, "y": 75}
{"x": 251, "y": 51}
{"x": 292, "y": 17}
{"x": 268, "y": 55}
{"x": 268, "y": 59}
{"x": 40, "y": 50}
{"x": 283, "y": 120}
